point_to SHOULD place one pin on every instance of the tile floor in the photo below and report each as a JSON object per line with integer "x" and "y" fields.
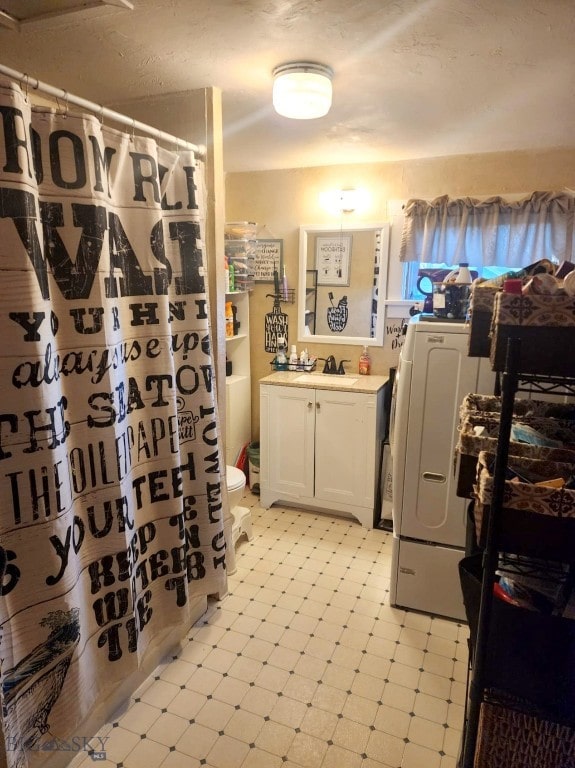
{"x": 303, "y": 665}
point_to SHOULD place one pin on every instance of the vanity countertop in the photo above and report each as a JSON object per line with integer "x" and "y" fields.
{"x": 315, "y": 380}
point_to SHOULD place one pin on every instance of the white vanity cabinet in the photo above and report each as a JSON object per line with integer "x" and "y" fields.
{"x": 321, "y": 447}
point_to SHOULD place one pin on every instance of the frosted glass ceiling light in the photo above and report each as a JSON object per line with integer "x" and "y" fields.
{"x": 302, "y": 90}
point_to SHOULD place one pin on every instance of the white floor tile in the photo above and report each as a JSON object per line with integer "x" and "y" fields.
{"x": 303, "y": 665}
{"x": 307, "y": 751}
{"x": 197, "y": 741}
{"x": 146, "y": 754}
{"x": 275, "y": 738}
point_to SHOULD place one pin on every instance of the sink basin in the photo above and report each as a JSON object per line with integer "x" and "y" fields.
{"x": 327, "y": 378}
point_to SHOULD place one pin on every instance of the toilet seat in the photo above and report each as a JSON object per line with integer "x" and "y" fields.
{"x": 235, "y": 478}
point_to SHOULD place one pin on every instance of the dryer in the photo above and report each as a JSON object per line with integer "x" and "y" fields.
{"x": 429, "y": 520}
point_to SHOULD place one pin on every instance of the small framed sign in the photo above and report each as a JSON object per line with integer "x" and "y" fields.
{"x": 269, "y": 257}
{"x": 332, "y": 257}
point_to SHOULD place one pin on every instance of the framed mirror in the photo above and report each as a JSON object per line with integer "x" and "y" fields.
{"x": 341, "y": 288}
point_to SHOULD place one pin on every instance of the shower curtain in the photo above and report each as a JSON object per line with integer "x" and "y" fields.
{"x": 111, "y": 490}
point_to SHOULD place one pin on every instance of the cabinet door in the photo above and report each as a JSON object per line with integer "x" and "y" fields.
{"x": 288, "y": 439}
{"x": 345, "y": 445}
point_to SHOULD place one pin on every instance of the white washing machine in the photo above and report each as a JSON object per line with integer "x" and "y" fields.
{"x": 429, "y": 520}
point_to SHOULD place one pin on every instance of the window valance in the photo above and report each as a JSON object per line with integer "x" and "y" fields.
{"x": 489, "y": 232}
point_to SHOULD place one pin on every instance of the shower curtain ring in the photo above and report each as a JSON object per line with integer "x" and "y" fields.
{"x": 65, "y": 97}
{"x": 26, "y": 86}
{"x": 102, "y": 115}
{"x": 133, "y": 130}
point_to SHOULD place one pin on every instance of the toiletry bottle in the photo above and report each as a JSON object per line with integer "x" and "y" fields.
{"x": 303, "y": 359}
{"x": 281, "y": 359}
{"x": 293, "y": 358}
{"x": 365, "y": 362}
{"x": 232, "y": 270}
{"x": 284, "y": 286}
{"x": 229, "y": 320}
{"x": 227, "y": 277}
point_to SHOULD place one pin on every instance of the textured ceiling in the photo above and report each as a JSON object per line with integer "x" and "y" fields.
{"x": 413, "y": 78}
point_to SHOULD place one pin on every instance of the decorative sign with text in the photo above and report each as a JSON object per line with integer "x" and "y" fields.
{"x": 332, "y": 259}
{"x": 268, "y": 258}
{"x": 394, "y": 335}
{"x": 110, "y": 481}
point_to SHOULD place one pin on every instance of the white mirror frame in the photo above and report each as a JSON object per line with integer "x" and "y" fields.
{"x": 377, "y": 340}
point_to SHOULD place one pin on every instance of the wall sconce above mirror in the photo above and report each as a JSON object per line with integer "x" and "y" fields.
{"x": 338, "y": 201}
{"x": 341, "y": 291}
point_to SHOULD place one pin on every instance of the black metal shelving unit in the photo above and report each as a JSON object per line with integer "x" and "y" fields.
{"x": 516, "y": 651}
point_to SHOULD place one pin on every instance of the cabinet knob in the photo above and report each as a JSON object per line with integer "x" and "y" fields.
{"x": 318, "y": 406}
{"x": 310, "y": 404}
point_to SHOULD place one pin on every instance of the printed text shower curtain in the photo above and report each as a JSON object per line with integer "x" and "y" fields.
{"x": 111, "y": 506}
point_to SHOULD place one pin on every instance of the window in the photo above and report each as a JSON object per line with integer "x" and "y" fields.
{"x": 419, "y": 276}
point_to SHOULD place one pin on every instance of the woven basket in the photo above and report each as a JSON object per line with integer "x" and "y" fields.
{"x": 534, "y": 519}
{"x": 544, "y": 324}
{"x": 512, "y": 739}
{"x": 481, "y": 314}
{"x": 470, "y": 445}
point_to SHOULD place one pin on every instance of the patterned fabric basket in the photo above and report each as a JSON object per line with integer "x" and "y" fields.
{"x": 528, "y": 510}
{"x": 481, "y": 314}
{"x": 509, "y": 738}
{"x": 470, "y": 445}
{"x": 546, "y": 327}
{"x": 491, "y": 404}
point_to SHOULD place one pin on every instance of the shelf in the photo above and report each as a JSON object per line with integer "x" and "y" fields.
{"x": 236, "y": 337}
{"x": 235, "y": 378}
{"x": 524, "y": 655}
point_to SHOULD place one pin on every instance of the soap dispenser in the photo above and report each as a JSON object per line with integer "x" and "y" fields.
{"x": 281, "y": 358}
{"x": 365, "y": 362}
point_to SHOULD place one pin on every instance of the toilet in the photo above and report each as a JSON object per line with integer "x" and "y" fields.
{"x": 238, "y": 521}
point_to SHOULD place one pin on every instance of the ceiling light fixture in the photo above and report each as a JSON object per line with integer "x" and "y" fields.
{"x": 302, "y": 90}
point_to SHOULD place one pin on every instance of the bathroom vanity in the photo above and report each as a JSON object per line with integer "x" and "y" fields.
{"x": 320, "y": 442}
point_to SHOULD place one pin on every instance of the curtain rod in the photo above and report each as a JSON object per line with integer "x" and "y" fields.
{"x": 101, "y": 111}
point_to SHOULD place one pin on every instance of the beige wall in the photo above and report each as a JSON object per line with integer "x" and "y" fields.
{"x": 285, "y": 200}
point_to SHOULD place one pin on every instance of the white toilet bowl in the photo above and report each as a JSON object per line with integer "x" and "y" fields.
{"x": 236, "y": 482}
{"x": 239, "y": 519}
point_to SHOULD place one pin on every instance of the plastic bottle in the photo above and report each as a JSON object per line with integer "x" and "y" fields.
{"x": 229, "y": 320}
{"x": 365, "y": 362}
{"x": 227, "y": 277}
{"x": 463, "y": 274}
{"x": 293, "y": 359}
{"x": 232, "y": 271}
{"x": 303, "y": 358}
{"x": 281, "y": 359}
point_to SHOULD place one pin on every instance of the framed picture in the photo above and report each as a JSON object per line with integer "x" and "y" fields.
{"x": 268, "y": 257}
{"x": 332, "y": 257}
